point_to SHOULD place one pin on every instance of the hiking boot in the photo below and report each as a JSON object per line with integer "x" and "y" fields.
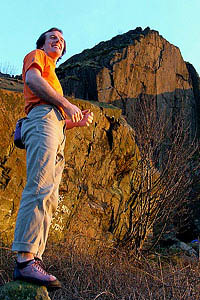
{"x": 33, "y": 272}
{"x": 40, "y": 262}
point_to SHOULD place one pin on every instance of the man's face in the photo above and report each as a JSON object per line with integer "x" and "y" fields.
{"x": 54, "y": 44}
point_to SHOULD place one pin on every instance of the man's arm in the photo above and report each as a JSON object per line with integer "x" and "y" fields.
{"x": 41, "y": 88}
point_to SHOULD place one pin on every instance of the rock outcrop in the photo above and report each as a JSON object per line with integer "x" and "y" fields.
{"x": 12, "y": 163}
{"x": 96, "y": 184}
{"x": 11, "y": 83}
{"x": 135, "y": 67}
{"x": 121, "y": 70}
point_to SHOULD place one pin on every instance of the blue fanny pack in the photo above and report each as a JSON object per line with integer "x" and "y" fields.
{"x": 17, "y": 136}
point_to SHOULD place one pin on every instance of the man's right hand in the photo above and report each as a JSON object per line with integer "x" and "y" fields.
{"x": 42, "y": 89}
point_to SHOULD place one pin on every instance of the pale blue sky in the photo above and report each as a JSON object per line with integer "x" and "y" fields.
{"x": 86, "y": 23}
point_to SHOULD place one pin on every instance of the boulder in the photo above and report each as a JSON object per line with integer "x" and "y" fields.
{"x": 19, "y": 290}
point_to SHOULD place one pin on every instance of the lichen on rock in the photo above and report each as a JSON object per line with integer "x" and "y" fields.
{"x": 19, "y": 290}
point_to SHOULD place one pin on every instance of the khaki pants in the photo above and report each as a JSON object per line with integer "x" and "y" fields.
{"x": 44, "y": 138}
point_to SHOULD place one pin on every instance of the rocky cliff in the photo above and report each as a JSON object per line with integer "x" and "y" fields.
{"x": 139, "y": 67}
{"x": 96, "y": 184}
{"x": 139, "y": 63}
{"x": 100, "y": 181}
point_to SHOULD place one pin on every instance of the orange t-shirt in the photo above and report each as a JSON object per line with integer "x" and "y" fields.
{"x": 46, "y": 65}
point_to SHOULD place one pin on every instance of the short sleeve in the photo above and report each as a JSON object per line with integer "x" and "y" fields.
{"x": 35, "y": 58}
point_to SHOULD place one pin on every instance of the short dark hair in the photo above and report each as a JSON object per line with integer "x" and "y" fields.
{"x": 41, "y": 41}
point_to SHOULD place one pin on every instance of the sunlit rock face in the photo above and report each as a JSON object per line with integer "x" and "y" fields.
{"x": 139, "y": 63}
{"x": 96, "y": 183}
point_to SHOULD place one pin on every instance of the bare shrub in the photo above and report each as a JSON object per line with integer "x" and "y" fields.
{"x": 7, "y": 68}
{"x": 162, "y": 179}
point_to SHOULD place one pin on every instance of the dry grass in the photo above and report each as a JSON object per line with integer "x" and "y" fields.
{"x": 113, "y": 274}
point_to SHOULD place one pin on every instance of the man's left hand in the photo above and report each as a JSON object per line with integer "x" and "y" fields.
{"x": 87, "y": 118}
{"x": 85, "y": 121}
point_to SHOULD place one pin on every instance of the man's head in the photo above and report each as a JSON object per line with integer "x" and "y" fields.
{"x": 53, "y": 43}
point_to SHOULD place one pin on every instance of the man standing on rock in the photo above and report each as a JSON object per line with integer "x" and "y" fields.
{"x": 43, "y": 133}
